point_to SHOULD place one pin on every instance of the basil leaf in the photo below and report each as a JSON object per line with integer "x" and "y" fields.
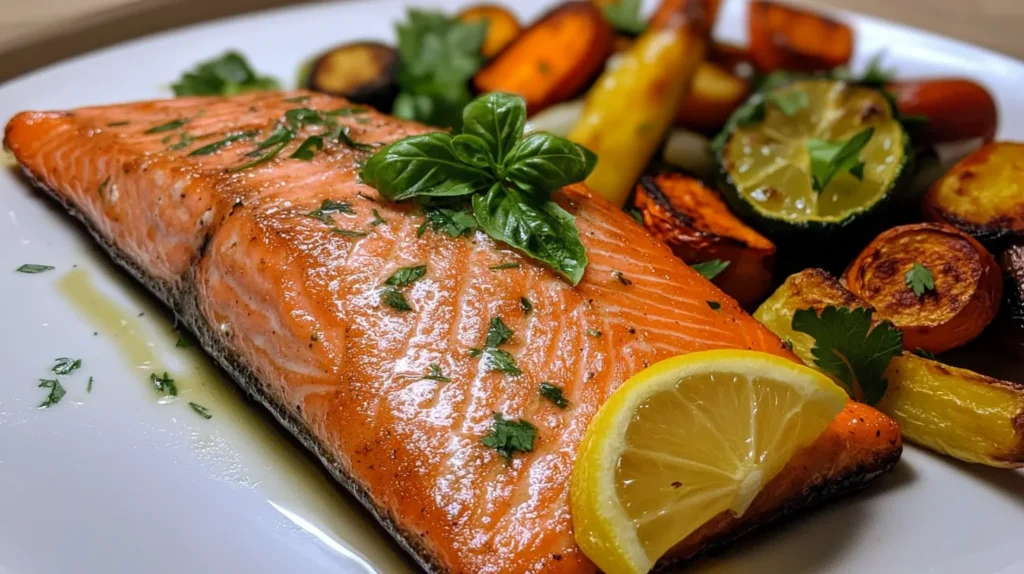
{"x": 473, "y": 151}
{"x": 498, "y": 119}
{"x": 422, "y": 165}
{"x": 544, "y": 163}
{"x": 542, "y": 230}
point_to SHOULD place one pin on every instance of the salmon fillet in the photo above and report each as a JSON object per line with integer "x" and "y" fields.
{"x": 291, "y": 305}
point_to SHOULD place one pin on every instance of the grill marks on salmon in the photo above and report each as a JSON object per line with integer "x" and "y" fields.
{"x": 298, "y": 307}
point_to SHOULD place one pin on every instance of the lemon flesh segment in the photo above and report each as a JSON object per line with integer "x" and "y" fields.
{"x": 685, "y": 440}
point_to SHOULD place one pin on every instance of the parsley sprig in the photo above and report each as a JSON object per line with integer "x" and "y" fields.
{"x": 508, "y": 178}
{"x": 830, "y": 158}
{"x": 294, "y": 121}
{"x": 226, "y": 75}
{"x": 919, "y": 279}
{"x": 509, "y": 437}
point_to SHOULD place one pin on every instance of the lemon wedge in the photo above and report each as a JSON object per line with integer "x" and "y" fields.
{"x": 684, "y": 440}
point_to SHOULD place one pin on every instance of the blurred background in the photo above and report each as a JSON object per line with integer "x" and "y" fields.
{"x": 36, "y": 32}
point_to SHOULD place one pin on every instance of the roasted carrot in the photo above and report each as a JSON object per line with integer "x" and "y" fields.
{"x": 502, "y": 26}
{"x": 554, "y": 59}
{"x": 957, "y": 109}
{"x": 714, "y": 96}
{"x": 937, "y": 284}
{"x": 687, "y": 10}
{"x": 782, "y": 37}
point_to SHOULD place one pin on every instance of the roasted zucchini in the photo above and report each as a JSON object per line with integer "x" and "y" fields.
{"x": 363, "y": 72}
{"x": 694, "y": 221}
{"x": 949, "y": 410}
{"x": 983, "y": 194}
{"x": 937, "y": 284}
{"x": 1011, "y": 320}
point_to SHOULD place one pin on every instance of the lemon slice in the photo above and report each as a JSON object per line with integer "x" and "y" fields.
{"x": 685, "y": 440}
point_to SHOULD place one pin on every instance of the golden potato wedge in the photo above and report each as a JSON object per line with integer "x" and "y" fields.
{"x": 695, "y": 222}
{"x": 788, "y": 38}
{"x": 983, "y": 194}
{"x": 963, "y": 290}
{"x": 949, "y": 410}
{"x": 364, "y": 72}
{"x": 714, "y": 96}
{"x": 1011, "y": 320}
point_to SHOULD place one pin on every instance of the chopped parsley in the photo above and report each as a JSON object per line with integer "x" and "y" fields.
{"x": 919, "y": 279}
{"x": 501, "y": 266}
{"x": 593, "y": 333}
{"x": 348, "y": 232}
{"x": 925, "y": 354}
{"x": 434, "y": 373}
{"x": 848, "y": 347}
{"x": 88, "y": 386}
{"x": 830, "y": 158}
{"x": 715, "y": 305}
{"x": 393, "y": 298}
{"x": 33, "y": 268}
{"x": 169, "y": 126}
{"x": 327, "y": 207}
{"x": 185, "y": 139}
{"x": 525, "y": 304}
{"x": 343, "y": 136}
{"x": 501, "y": 361}
{"x": 454, "y": 222}
{"x": 621, "y": 278}
{"x": 710, "y": 269}
{"x": 509, "y": 437}
{"x": 475, "y": 351}
{"x": 498, "y": 334}
{"x": 788, "y": 344}
{"x": 287, "y": 129}
{"x": 231, "y": 138}
{"x": 65, "y": 365}
{"x": 182, "y": 342}
{"x": 201, "y": 410}
{"x": 308, "y": 148}
{"x": 635, "y": 214}
{"x": 554, "y": 394}
{"x": 164, "y": 384}
{"x": 226, "y": 75}
{"x": 406, "y": 276}
{"x": 56, "y": 393}
{"x": 117, "y": 124}
{"x": 377, "y": 219}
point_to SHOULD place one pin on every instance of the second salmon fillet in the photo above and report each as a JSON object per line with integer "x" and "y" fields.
{"x": 279, "y": 267}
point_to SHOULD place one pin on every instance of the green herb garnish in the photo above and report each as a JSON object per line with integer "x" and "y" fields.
{"x": 715, "y": 305}
{"x": 434, "y": 373}
{"x": 498, "y": 334}
{"x": 201, "y": 410}
{"x": 57, "y": 392}
{"x": 65, "y": 365}
{"x": 501, "y": 266}
{"x": 621, "y": 278}
{"x": 210, "y": 148}
{"x": 32, "y": 268}
{"x": 593, "y": 333}
{"x": 925, "y": 354}
{"x": 624, "y": 16}
{"x": 710, "y": 269}
{"x": 406, "y": 276}
{"x": 554, "y": 394}
{"x": 829, "y": 159}
{"x": 509, "y": 178}
{"x": 635, "y": 214}
{"x": 454, "y": 222}
{"x": 788, "y": 344}
{"x": 789, "y": 103}
{"x": 501, "y": 361}
{"x": 393, "y": 298}
{"x": 508, "y": 437}
{"x": 308, "y": 148}
{"x": 525, "y": 304}
{"x": 287, "y": 129}
{"x": 88, "y": 386}
{"x": 329, "y": 206}
{"x": 848, "y": 347}
{"x": 919, "y": 279}
{"x": 226, "y": 75}
{"x": 377, "y": 219}
{"x": 164, "y": 384}
{"x": 171, "y": 125}
{"x": 182, "y": 342}
{"x": 117, "y": 124}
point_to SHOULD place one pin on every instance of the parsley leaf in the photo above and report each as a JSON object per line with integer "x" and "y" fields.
{"x": 434, "y": 374}
{"x": 308, "y": 148}
{"x": 526, "y": 305}
{"x": 618, "y": 275}
{"x": 508, "y": 437}
{"x": 57, "y": 392}
{"x": 327, "y": 207}
{"x": 377, "y": 219}
{"x": 710, "y": 269}
{"x": 406, "y": 276}
{"x": 502, "y": 266}
{"x": 500, "y": 361}
{"x": 593, "y": 333}
{"x": 88, "y": 386}
{"x": 32, "y": 268}
{"x": 846, "y": 345}
{"x": 715, "y": 305}
{"x": 226, "y": 75}
{"x": 789, "y": 103}
{"x": 624, "y": 16}
{"x": 393, "y": 298}
{"x": 201, "y": 410}
{"x": 829, "y": 158}
{"x": 164, "y": 384}
{"x": 919, "y": 279}
{"x": 65, "y": 365}
{"x": 554, "y": 394}
{"x": 169, "y": 126}
{"x": 498, "y": 333}
{"x": 454, "y": 222}
{"x": 925, "y": 354}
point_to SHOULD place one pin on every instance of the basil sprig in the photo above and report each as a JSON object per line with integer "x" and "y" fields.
{"x": 509, "y": 178}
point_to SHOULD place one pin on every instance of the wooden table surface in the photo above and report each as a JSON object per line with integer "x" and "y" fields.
{"x": 36, "y": 32}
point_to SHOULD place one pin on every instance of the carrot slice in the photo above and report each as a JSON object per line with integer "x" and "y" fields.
{"x": 554, "y": 59}
{"x": 502, "y": 26}
{"x": 956, "y": 109}
{"x": 787, "y": 38}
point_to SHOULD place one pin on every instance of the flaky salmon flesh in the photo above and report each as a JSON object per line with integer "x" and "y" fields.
{"x": 291, "y": 305}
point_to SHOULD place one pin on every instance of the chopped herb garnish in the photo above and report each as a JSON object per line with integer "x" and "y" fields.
{"x": 593, "y": 333}
{"x": 377, "y": 219}
{"x": 201, "y": 410}
{"x": 475, "y": 351}
{"x": 65, "y": 365}
{"x": 393, "y": 298}
{"x": 621, "y": 278}
{"x": 501, "y": 361}
{"x": 342, "y": 136}
{"x": 501, "y": 266}
{"x": 848, "y": 347}
{"x": 710, "y": 269}
{"x": 715, "y": 305}
{"x": 554, "y": 394}
{"x": 525, "y": 304}
{"x": 308, "y": 148}
{"x": 287, "y": 129}
{"x": 454, "y": 222}
{"x": 509, "y": 437}
{"x": 164, "y": 384}
{"x": 788, "y": 344}
{"x": 117, "y": 124}
{"x": 347, "y": 112}
{"x": 88, "y": 386}
{"x": 57, "y": 392}
{"x": 210, "y": 148}
{"x": 434, "y": 374}
{"x": 925, "y": 354}
{"x": 498, "y": 333}
{"x": 635, "y": 214}
{"x": 171, "y": 125}
{"x": 625, "y": 17}
{"x": 185, "y": 139}
{"x": 829, "y": 158}
{"x": 227, "y": 75}
{"x": 348, "y": 232}
{"x": 406, "y": 276}
{"x": 33, "y": 268}
{"x": 296, "y": 100}
{"x": 919, "y": 279}
{"x": 182, "y": 342}
{"x": 789, "y": 103}
{"x": 329, "y": 206}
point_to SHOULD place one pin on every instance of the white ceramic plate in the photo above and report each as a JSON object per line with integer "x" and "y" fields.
{"x": 112, "y": 481}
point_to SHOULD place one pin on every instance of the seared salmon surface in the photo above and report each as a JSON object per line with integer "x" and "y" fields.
{"x": 288, "y": 296}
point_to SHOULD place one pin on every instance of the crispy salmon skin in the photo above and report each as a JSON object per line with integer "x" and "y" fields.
{"x": 286, "y": 291}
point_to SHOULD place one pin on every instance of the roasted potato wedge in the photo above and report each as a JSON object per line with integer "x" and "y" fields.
{"x": 554, "y": 59}
{"x": 363, "y": 72}
{"x": 696, "y": 223}
{"x": 631, "y": 107}
{"x": 959, "y": 286}
{"x": 957, "y": 109}
{"x": 982, "y": 195}
{"x": 1011, "y": 319}
{"x": 502, "y": 26}
{"x": 949, "y": 410}
{"x": 787, "y": 38}
{"x": 714, "y": 96}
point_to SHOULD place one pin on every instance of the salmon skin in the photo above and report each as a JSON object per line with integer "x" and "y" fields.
{"x": 286, "y": 292}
